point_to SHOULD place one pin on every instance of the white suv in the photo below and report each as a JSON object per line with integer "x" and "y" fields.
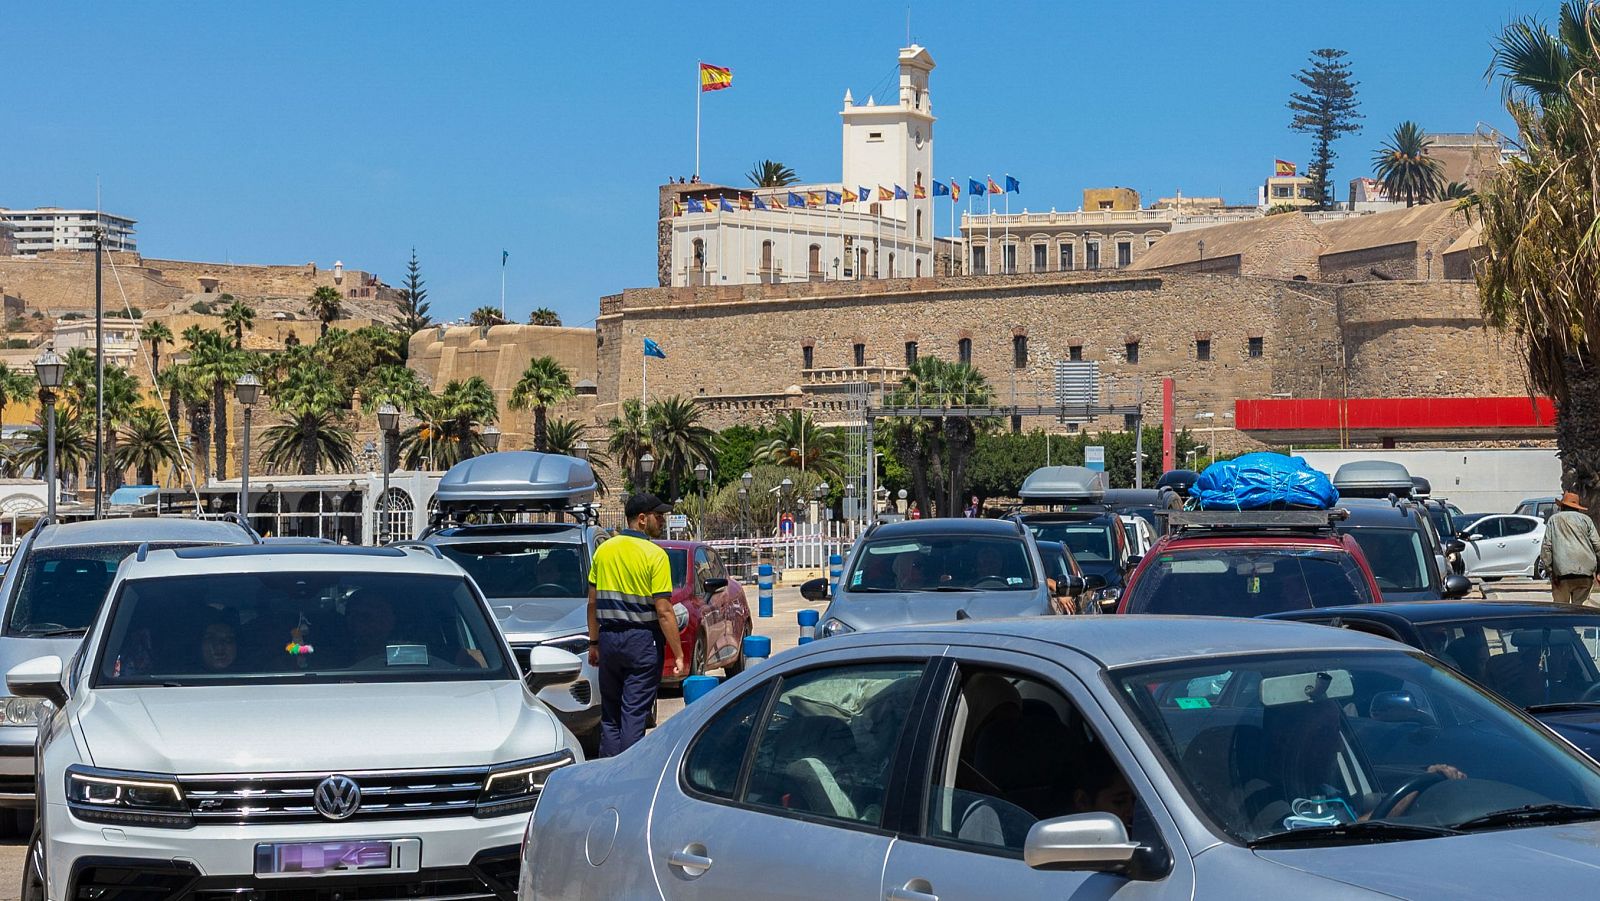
{"x": 295, "y": 720}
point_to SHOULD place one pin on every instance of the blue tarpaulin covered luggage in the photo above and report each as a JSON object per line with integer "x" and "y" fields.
{"x": 1264, "y": 481}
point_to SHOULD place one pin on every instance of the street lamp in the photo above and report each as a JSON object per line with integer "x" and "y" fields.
{"x": 647, "y": 465}
{"x": 581, "y": 449}
{"x": 702, "y": 474}
{"x": 491, "y": 438}
{"x": 902, "y": 508}
{"x": 850, "y": 499}
{"x": 247, "y": 390}
{"x": 49, "y": 369}
{"x": 747, "y": 478}
{"x": 388, "y": 421}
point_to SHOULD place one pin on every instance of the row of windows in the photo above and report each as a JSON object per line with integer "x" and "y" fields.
{"x": 1066, "y": 259}
{"x": 1254, "y": 347}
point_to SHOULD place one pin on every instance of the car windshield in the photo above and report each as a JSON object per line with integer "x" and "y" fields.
{"x": 521, "y": 569}
{"x": 930, "y": 563}
{"x": 1088, "y": 541}
{"x": 1273, "y": 743}
{"x": 679, "y": 559}
{"x": 1247, "y": 581}
{"x": 1441, "y": 521}
{"x": 61, "y": 589}
{"x": 1531, "y": 660}
{"x": 298, "y": 627}
{"x": 1396, "y": 556}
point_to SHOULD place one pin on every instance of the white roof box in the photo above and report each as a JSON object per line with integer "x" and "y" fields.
{"x": 510, "y": 480}
{"x": 1372, "y": 478}
{"x": 1064, "y": 484}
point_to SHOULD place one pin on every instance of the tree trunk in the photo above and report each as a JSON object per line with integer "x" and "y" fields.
{"x": 914, "y": 455}
{"x": 147, "y": 474}
{"x": 200, "y": 434}
{"x": 113, "y": 471}
{"x": 1577, "y": 440}
{"x": 541, "y": 438}
{"x": 219, "y": 407}
{"x": 308, "y": 446}
{"x": 155, "y": 358}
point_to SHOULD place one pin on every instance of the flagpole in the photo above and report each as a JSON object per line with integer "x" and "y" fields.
{"x": 1007, "y": 239}
{"x": 988, "y": 226}
{"x": 698, "y": 90}
{"x": 502, "y": 284}
{"x": 953, "y": 233}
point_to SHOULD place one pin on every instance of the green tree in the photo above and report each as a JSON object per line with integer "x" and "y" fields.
{"x": 74, "y": 444}
{"x": 798, "y": 442}
{"x": 413, "y": 301}
{"x": 544, "y": 316}
{"x": 936, "y": 450}
{"x": 563, "y": 437}
{"x": 1536, "y": 65}
{"x": 737, "y": 448}
{"x": 771, "y": 174}
{"x": 467, "y": 407}
{"x": 353, "y": 355}
{"x": 157, "y": 334}
{"x": 1326, "y": 110}
{"x": 679, "y": 439}
{"x": 544, "y": 384}
{"x": 239, "y": 317}
{"x": 325, "y": 304}
{"x": 311, "y": 434}
{"x": 122, "y": 396}
{"x": 1405, "y": 167}
{"x": 147, "y": 444}
{"x": 1457, "y": 191}
{"x": 628, "y": 440}
{"x": 15, "y": 385}
{"x": 487, "y": 314}
{"x": 215, "y": 365}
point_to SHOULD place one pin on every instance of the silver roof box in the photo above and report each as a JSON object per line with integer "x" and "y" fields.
{"x": 1064, "y": 484}
{"x": 1372, "y": 478}
{"x": 510, "y": 480}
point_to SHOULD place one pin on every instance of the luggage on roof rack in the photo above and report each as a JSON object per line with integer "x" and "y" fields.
{"x": 1063, "y": 485}
{"x": 515, "y": 481}
{"x": 1264, "y": 481}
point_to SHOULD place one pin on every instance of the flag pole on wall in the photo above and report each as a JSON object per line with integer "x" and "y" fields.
{"x": 699, "y": 89}
{"x": 504, "y": 254}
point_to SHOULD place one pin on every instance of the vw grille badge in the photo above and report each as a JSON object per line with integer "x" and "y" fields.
{"x": 337, "y": 797}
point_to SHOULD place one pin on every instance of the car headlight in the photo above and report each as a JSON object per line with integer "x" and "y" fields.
{"x": 835, "y": 627}
{"x": 130, "y": 799}
{"x": 515, "y": 787}
{"x": 25, "y": 711}
{"x": 1109, "y": 594}
{"x": 577, "y": 644}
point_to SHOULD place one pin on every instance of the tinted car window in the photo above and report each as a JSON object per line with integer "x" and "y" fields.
{"x": 61, "y": 589}
{"x": 716, "y": 758}
{"x": 1247, "y": 581}
{"x": 1492, "y": 527}
{"x": 1088, "y": 541}
{"x": 1396, "y": 556}
{"x": 521, "y": 569}
{"x": 929, "y": 562}
{"x": 1531, "y": 660}
{"x": 1519, "y": 526}
{"x": 679, "y": 558}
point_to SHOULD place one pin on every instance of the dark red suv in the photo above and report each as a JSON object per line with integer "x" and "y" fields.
{"x": 1247, "y": 563}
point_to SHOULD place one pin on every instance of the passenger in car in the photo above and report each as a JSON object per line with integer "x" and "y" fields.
{"x": 219, "y": 646}
{"x": 1103, "y": 789}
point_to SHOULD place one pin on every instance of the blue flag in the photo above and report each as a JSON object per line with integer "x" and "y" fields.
{"x": 760, "y": 204}
{"x": 975, "y": 187}
{"x": 796, "y": 200}
{"x": 940, "y": 189}
{"x": 863, "y": 195}
{"x": 724, "y": 205}
{"x": 832, "y": 197}
{"x": 696, "y": 206}
{"x": 652, "y": 349}
{"x": 1013, "y": 186}
{"x": 503, "y": 255}
{"x": 899, "y": 193}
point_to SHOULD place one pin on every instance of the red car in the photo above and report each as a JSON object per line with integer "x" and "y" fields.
{"x": 1246, "y": 563}
{"x": 719, "y": 617}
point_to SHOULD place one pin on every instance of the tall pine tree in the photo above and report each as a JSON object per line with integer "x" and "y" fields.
{"x": 1327, "y": 110}
{"x": 413, "y": 302}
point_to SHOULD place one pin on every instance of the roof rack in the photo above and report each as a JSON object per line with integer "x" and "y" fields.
{"x": 1252, "y": 520}
{"x": 417, "y": 545}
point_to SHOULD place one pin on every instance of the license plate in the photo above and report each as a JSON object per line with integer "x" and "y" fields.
{"x": 335, "y": 857}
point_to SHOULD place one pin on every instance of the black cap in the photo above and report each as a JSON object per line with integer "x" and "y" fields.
{"x": 645, "y": 503}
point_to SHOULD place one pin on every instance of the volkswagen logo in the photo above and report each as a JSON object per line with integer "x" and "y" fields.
{"x": 337, "y": 797}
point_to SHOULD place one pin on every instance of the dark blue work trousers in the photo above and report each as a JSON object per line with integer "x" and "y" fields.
{"x": 630, "y": 675}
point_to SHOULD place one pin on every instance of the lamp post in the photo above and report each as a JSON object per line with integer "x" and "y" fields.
{"x": 48, "y": 369}
{"x": 785, "y": 488}
{"x": 817, "y": 494}
{"x": 491, "y": 438}
{"x": 581, "y": 449}
{"x": 744, "y": 509}
{"x": 903, "y": 509}
{"x": 647, "y": 466}
{"x": 388, "y": 421}
{"x": 850, "y": 500}
{"x": 702, "y": 474}
{"x": 247, "y": 390}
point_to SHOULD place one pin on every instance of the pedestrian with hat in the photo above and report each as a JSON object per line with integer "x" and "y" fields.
{"x": 1571, "y": 551}
{"x": 630, "y": 617}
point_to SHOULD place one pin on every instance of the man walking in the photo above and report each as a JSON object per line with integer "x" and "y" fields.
{"x": 1571, "y": 551}
{"x": 630, "y": 613}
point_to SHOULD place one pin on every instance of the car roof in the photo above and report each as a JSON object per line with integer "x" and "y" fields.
{"x": 139, "y": 529}
{"x": 549, "y": 531}
{"x": 416, "y": 561}
{"x": 946, "y": 526}
{"x": 1451, "y": 611}
{"x": 1173, "y": 540}
{"x": 1114, "y": 641}
{"x": 1371, "y": 511}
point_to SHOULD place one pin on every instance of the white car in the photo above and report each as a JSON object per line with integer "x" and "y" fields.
{"x": 1505, "y": 544}
{"x": 285, "y": 720}
{"x": 1140, "y": 535}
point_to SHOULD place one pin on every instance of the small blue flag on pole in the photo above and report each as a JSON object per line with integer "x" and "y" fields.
{"x": 696, "y": 206}
{"x": 832, "y": 197}
{"x": 899, "y": 193}
{"x": 974, "y": 187}
{"x": 940, "y": 189}
{"x": 652, "y": 349}
{"x": 863, "y": 194}
{"x": 796, "y": 200}
{"x": 1013, "y": 186}
{"x": 760, "y": 204}
{"x": 724, "y": 205}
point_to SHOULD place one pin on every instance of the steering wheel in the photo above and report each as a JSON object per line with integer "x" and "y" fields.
{"x": 1417, "y": 783}
{"x": 1592, "y": 693}
{"x": 991, "y": 583}
{"x": 549, "y": 590}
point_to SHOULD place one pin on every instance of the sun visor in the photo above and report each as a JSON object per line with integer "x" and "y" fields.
{"x": 517, "y": 480}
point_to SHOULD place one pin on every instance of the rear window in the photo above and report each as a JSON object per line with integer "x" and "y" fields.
{"x": 1396, "y": 556}
{"x": 519, "y": 568}
{"x": 60, "y": 590}
{"x": 1089, "y": 541}
{"x": 1248, "y": 581}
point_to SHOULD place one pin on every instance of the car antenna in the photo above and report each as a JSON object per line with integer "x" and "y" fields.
{"x": 962, "y": 614}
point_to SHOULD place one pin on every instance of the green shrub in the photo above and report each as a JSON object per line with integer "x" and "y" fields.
{"x": 18, "y": 344}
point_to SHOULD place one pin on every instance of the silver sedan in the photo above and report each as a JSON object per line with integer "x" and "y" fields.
{"x": 1085, "y": 758}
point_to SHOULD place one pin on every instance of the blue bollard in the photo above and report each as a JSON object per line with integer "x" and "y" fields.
{"x": 764, "y": 590}
{"x": 808, "y": 625}
{"x": 696, "y": 687}
{"x": 756, "y": 649}
{"x": 835, "y": 572}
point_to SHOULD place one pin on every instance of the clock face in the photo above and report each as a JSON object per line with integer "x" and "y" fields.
{"x": 917, "y": 135}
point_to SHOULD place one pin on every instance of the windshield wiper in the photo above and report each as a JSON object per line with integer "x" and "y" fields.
{"x": 1359, "y": 833}
{"x": 1531, "y": 815}
{"x": 947, "y": 588}
{"x": 1562, "y": 705}
{"x": 53, "y": 633}
{"x": 866, "y": 590}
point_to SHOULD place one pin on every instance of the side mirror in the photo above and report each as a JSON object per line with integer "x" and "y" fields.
{"x": 1094, "y": 583}
{"x": 1474, "y": 537}
{"x": 714, "y": 585}
{"x": 1134, "y": 561}
{"x": 1085, "y": 841}
{"x": 1455, "y": 546}
{"x": 1399, "y": 707}
{"x": 1069, "y": 586}
{"x": 547, "y": 667}
{"x": 38, "y": 678}
{"x": 1457, "y": 586}
{"x": 814, "y": 589}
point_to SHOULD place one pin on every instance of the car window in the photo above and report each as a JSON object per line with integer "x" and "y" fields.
{"x": 828, "y": 744}
{"x": 1514, "y": 526}
{"x": 716, "y": 758}
{"x": 1088, "y": 540}
{"x": 521, "y": 569}
{"x": 931, "y": 562}
{"x": 1309, "y": 738}
{"x": 61, "y": 589}
{"x": 702, "y": 569}
{"x": 679, "y": 559}
{"x": 1489, "y": 527}
{"x": 1530, "y": 660}
{"x": 1398, "y": 560}
{"x": 1248, "y": 580}
{"x": 714, "y": 567}
{"x": 1014, "y": 751}
{"x": 301, "y": 627}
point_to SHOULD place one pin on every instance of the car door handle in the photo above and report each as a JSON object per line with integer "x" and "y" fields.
{"x": 913, "y": 890}
{"x": 692, "y": 860}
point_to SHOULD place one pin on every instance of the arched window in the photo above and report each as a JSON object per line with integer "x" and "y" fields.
{"x": 766, "y": 256}
{"x": 393, "y": 516}
{"x": 698, "y": 254}
{"x": 964, "y": 351}
{"x": 919, "y": 223}
{"x": 919, "y": 267}
{"x": 891, "y": 265}
{"x": 814, "y": 260}
{"x": 1019, "y": 351}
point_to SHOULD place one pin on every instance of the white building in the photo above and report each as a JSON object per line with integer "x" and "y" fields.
{"x": 885, "y": 147}
{"x": 120, "y": 337}
{"x": 48, "y": 228}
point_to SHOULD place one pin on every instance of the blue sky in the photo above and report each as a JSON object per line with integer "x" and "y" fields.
{"x": 290, "y": 132}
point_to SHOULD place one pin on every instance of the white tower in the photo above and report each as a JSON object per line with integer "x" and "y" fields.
{"x": 892, "y": 145}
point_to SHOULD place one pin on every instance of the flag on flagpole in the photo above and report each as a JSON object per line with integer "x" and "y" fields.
{"x": 813, "y": 198}
{"x": 975, "y": 187}
{"x": 899, "y": 193}
{"x": 1013, "y": 186}
{"x": 849, "y": 195}
{"x": 504, "y": 254}
{"x": 714, "y": 78}
{"x": 994, "y": 188}
{"x": 724, "y": 205}
{"x": 796, "y": 200}
{"x": 919, "y": 192}
{"x": 652, "y": 349}
{"x": 744, "y": 202}
{"x": 677, "y": 210}
{"x": 865, "y": 193}
{"x": 885, "y": 193}
{"x": 832, "y": 197}
{"x": 696, "y": 206}
{"x": 940, "y": 189}
{"x": 760, "y": 204}
{"x": 1283, "y": 169}
{"x": 955, "y": 191}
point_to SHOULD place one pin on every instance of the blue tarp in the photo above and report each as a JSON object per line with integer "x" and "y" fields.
{"x": 1264, "y": 481}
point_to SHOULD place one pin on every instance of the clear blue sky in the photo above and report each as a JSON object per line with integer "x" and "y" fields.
{"x": 288, "y": 132}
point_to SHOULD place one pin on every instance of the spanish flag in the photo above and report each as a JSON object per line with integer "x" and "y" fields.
{"x": 744, "y": 202}
{"x": 677, "y": 208}
{"x": 714, "y": 78}
{"x": 885, "y": 193}
{"x": 813, "y": 198}
{"x": 994, "y": 188}
{"x": 921, "y": 193}
{"x": 1283, "y": 169}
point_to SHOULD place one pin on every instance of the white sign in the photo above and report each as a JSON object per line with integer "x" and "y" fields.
{"x": 1094, "y": 457}
{"x": 677, "y": 521}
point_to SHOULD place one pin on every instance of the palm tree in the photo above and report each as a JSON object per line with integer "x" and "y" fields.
{"x": 679, "y": 438}
{"x": 1456, "y": 191}
{"x": 1403, "y": 165}
{"x": 147, "y": 444}
{"x": 239, "y": 317}
{"x": 467, "y": 406}
{"x": 420, "y": 446}
{"x": 324, "y": 304}
{"x": 215, "y": 366}
{"x": 157, "y": 334}
{"x": 78, "y": 376}
{"x": 122, "y": 395}
{"x": 393, "y": 384}
{"x": 544, "y": 384}
{"x": 544, "y": 316}
{"x": 628, "y": 439}
{"x": 798, "y": 442}
{"x": 935, "y": 451}
{"x": 74, "y": 444}
{"x": 487, "y": 314}
{"x": 562, "y": 437}
{"x": 15, "y": 385}
{"x": 1536, "y": 65}
{"x": 311, "y": 433}
{"x": 771, "y": 174}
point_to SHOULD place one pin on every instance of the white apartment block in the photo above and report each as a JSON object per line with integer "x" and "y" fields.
{"x": 49, "y": 228}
